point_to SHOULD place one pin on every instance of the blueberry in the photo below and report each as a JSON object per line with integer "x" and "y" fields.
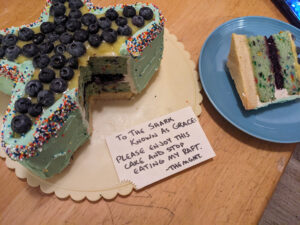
{"x": 66, "y": 73}
{"x": 30, "y": 50}
{"x": 46, "y": 75}
{"x": 76, "y": 49}
{"x": 58, "y": 61}
{"x": 22, "y": 105}
{"x": 52, "y": 37}
{"x": 297, "y": 50}
{"x": 72, "y": 25}
{"x": 66, "y": 38}
{"x": 59, "y": 29}
{"x": 93, "y": 28}
{"x": 21, "y": 124}
{"x": 104, "y": 23}
{"x": 124, "y": 30}
{"x": 81, "y": 35}
{"x": 2, "y": 52}
{"x": 58, "y": 1}
{"x": 88, "y": 19}
{"x": 12, "y": 52}
{"x": 1, "y": 38}
{"x": 138, "y": 21}
{"x": 111, "y": 14}
{"x": 73, "y": 63}
{"x": 109, "y": 35}
{"x": 60, "y": 49}
{"x": 41, "y": 61}
{"x": 60, "y": 20}
{"x": 57, "y": 9}
{"x": 47, "y": 27}
{"x": 95, "y": 40}
{"x": 46, "y": 98}
{"x": 9, "y": 40}
{"x": 129, "y": 11}
{"x": 25, "y": 34}
{"x": 38, "y": 38}
{"x": 121, "y": 21}
{"x": 146, "y": 13}
{"x": 58, "y": 85}
{"x": 35, "y": 110}
{"x": 75, "y": 13}
{"x": 46, "y": 47}
{"x": 33, "y": 87}
{"x": 75, "y": 4}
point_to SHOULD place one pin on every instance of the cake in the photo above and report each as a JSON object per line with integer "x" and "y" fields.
{"x": 52, "y": 67}
{"x": 265, "y": 70}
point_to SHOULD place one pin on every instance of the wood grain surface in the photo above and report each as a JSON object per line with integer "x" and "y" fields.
{"x": 234, "y": 188}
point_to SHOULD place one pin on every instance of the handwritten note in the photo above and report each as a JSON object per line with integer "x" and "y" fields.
{"x": 159, "y": 148}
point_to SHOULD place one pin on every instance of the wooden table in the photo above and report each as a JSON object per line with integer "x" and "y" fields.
{"x": 234, "y": 188}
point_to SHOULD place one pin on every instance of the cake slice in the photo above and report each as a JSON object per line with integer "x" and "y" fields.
{"x": 265, "y": 70}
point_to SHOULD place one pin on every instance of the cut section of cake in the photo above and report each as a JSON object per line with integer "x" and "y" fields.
{"x": 265, "y": 70}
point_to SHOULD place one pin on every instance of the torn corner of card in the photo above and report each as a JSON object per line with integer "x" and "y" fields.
{"x": 159, "y": 148}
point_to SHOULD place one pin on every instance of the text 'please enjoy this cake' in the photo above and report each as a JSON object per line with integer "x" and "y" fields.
{"x": 265, "y": 70}
{"x": 54, "y": 65}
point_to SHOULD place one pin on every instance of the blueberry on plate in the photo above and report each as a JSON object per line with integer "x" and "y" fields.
{"x": 146, "y": 13}
{"x": 81, "y": 35}
{"x": 66, "y": 38}
{"x": 33, "y": 87}
{"x": 22, "y": 105}
{"x": 38, "y": 38}
{"x": 138, "y": 21}
{"x": 93, "y": 28}
{"x": 121, "y": 21}
{"x": 75, "y": 4}
{"x": 52, "y": 37}
{"x": 30, "y": 50}
{"x": 9, "y": 40}
{"x": 46, "y": 98}
{"x": 46, "y": 75}
{"x": 95, "y": 40}
{"x": 111, "y": 14}
{"x": 73, "y": 63}
{"x": 88, "y": 19}
{"x": 58, "y": 85}
{"x": 129, "y": 11}
{"x": 76, "y": 49}
{"x": 57, "y": 9}
{"x": 104, "y": 23}
{"x": 73, "y": 24}
{"x": 59, "y": 29}
{"x": 109, "y": 35}
{"x": 21, "y": 124}
{"x": 41, "y": 61}
{"x": 25, "y": 34}
{"x": 12, "y": 52}
{"x": 75, "y": 13}
{"x": 2, "y": 52}
{"x": 47, "y": 27}
{"x": 60, "y": 20}
{"x": 58, "y": 61}
{"x": 35, "y": 110}
{"x": 66, "y": 73}
{"x": 60, "y": 49}
{"x": 46, "y": 47}
{"x": 124, "y": 30}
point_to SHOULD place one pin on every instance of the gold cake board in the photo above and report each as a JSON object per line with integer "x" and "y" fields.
{"x": 91, "y": 174}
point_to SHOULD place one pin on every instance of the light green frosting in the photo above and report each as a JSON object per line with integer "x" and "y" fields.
{"x": 6, "y": 85}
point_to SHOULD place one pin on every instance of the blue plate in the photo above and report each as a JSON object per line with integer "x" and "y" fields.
{"x": 276, "y": 123}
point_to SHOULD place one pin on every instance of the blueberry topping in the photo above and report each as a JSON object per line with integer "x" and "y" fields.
{"x": 52, "y": 37}
{"x": 35, "y": 110}
{"x": 104, "y": 23}
{"x": 138, "y": 21}
{"x": 66, "y": 38}
{"x": 121, "y": 21}
{"x": 1, "y": 38}
{"x": 73, "y": 63}
{"x": 26, "y": 34}
{"x": 95, "y": 40}
{"x": 47, "y": 27}
{"x": 9, "y": 40}
{"x": 2, "y": 52}
{"x": 60, "y": 20}
{"x": 38, "y": 38}
{"x": 129, "y": 11}
{"x": 66, "y": 73}
{"x": 58, "y": 61}
{"x": 75, "y": 13}
{"x": 88, "y": 19}
{"x": 22, "y": 105}
{"x": 57, "y": 9}
{"x": 109, "y": 35}
{"x": 298, "y": 50}
{"x": 59, "y": 29}
{"x": 76, "y": 49}
{"x": 46, "y": 47}
{"x": 46, "y": 75}
{"x": 75, "y": 4}
{"x": 33, "y": 87}
{"x": 12, "y": 52}
{"x": 81, "y": 35}
{"x": 46, "y": 98}
{"x": 59, "y": 1}
{"x": 21, "y": 124}
{"x": 298, "y": 60}
{"x": 124, "y": 30}
{"x": 58, "y": 85}
{"x": 111, "y": 14}
{"x": 93, "y": 28}
{"x": 30, "y": 50}
{"x": 60, "y": 49}
{"x": 41, "y": 61}
{"x": 146, "y": 13}
{"x": 72, "y": 25}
